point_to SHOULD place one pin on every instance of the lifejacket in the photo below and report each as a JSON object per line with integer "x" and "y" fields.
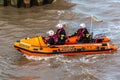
{"x": 81, "y": 32}
{"x": 55, "y": 38}
{"x": 58, "y": 32}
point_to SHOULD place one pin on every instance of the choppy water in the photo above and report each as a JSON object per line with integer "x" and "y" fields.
{"x": 20, "y": 23}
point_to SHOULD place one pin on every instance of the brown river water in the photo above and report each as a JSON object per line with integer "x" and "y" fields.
{"x": 20, "y": 23}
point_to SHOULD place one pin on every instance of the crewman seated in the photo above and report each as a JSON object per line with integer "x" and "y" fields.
{"x": 61, "y": 34}
{"x": 52, "y": 38}
{"x": 83, "y": 34}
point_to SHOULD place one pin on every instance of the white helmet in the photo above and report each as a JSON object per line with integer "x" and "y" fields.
{"x": 50, "y": 32}
{"x": 82, "y": 25}
{"x": 59, "y": 26}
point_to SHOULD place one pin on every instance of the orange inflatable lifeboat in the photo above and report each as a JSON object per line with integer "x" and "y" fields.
{"x": 36, "y": 46}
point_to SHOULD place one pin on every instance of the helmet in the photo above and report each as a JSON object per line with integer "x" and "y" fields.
{"x": 50, "y": 32}
{"x": 59, "y": 26}
{"x": 82, "y": 25}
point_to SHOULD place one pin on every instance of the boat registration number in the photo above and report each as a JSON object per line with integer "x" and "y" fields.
{"x": 68, "y": 48}
{"x": 24, "y": 45}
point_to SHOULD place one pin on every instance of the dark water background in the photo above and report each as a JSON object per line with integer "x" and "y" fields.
{"x": 20, "y": 23}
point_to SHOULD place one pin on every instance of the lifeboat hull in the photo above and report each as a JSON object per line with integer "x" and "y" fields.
{"x": 37, "y": 47}
{"x": 43, "y": 54}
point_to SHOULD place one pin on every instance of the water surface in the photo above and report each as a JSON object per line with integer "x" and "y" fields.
{"x": 20, "y": 23}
